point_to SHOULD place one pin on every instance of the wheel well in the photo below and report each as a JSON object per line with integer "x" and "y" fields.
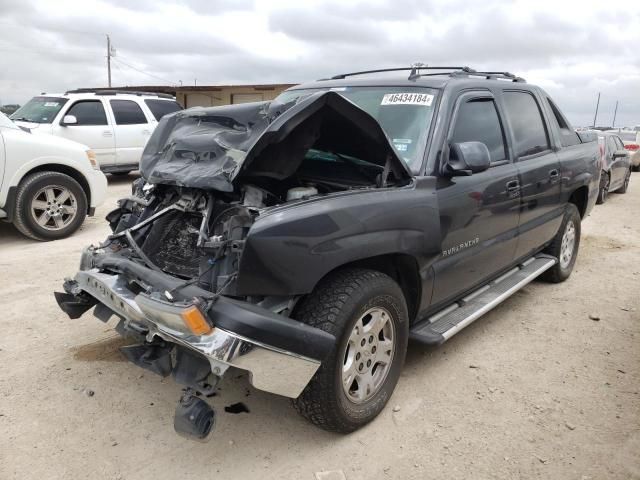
{"x": 402, "y": 268}
{"x": 579, "y": 198}
{"x": 72, "y": 172}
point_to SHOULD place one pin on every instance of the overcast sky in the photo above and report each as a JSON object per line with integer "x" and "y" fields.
{"x": 573, "y": 49}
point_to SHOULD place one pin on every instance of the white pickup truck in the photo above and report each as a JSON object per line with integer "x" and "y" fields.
{"x": 114, "y": 124}
{"x": 48, "y": 185}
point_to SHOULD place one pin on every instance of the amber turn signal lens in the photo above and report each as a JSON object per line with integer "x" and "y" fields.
{"x": 194, "y": 319}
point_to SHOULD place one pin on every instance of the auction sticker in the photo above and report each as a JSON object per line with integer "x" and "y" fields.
{"x": 407, "y": 99}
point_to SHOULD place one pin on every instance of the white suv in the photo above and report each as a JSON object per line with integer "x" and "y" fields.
{"x": 48, "y": 185}
{"x": 114, "y": 124}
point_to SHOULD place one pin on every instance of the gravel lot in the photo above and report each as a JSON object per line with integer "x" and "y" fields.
{"x": 535, "y": 389}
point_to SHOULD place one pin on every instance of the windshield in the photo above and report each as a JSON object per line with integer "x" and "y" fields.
{"x": 404, "y": 113}
{"x": 39, "y": 110}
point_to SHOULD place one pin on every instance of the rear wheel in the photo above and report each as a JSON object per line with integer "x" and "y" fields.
{"x": 604, "y": 188}
{"x": 564, "y": 246}
{"x": 49, "y": 206}
{"x": 367, "y": 313}
{"x": 625, "y": 184}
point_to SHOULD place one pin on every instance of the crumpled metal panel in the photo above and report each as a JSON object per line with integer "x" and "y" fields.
{"x": 209, "y": 147}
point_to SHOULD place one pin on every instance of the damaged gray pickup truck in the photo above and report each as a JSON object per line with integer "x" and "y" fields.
{"x": 305, "y": 240}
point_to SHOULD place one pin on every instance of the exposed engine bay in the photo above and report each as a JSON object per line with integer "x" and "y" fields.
{"x": 189, "y": 233}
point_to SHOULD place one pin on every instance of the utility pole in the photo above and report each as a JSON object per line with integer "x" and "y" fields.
{"x": 596, "y": 115}
{"x": 615, "y": 112}
{"x": 109, "y": 60}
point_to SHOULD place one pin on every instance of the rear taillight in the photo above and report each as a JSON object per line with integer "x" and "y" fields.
{"x": 632, "y": 147}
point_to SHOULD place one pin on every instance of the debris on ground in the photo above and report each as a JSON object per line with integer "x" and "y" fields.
{"x": 594, "y": 317}
{"x": 236, "y": 408}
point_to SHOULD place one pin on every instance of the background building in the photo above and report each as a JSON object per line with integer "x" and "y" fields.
{"x": 214, "y": 95}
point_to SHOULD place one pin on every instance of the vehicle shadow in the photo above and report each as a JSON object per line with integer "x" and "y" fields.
{"x": 122, "y": 179}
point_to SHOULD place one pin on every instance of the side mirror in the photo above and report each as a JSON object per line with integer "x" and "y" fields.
{"x": 468, "y": 157}
{"x": 69, "y": 120}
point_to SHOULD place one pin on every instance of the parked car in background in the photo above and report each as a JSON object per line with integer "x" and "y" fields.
{"x": 48, "y": 185}
{"x": 631, "y": 140}
{"x": 114, "y": 124}
{"x": 306, "y": 239}
{"x": 616, "y": 165}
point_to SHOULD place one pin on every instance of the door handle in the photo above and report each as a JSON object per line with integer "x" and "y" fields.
{"x": 555, "y": 173}
{"x": 107, "y": 133}
{"x": 513, "y": 186}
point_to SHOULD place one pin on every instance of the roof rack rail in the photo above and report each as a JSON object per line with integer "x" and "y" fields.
{"x": 491, "y": 76}
{"x": 111, "y": 91}
{"x": 453, "y": 72}
{"x": 413, "y": 70}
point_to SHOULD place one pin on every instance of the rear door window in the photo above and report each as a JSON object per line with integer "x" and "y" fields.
{"x": 160, "y": 108}
{"x": 568, "y": 136}
{"x": 127, "y": 112}
{"x": 88, "y": 112}
{"x": 526, "y": 122}
{"x": 478, "y": 121}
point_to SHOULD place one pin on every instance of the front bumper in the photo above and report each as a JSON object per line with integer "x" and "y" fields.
{"x": 271, "y": 368}
{"x": 98, "y": 185}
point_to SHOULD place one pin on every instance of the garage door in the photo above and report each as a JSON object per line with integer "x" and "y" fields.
{"x": 198, "y": 100}
{"x": 246, "y": 97}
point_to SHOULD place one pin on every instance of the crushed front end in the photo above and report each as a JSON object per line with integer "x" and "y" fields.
{"x": 168, "y": 274}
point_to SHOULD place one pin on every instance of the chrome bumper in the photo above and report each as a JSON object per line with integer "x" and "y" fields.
{"x": 270, "y": 369}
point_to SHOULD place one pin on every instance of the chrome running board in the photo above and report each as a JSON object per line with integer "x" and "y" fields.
{"x": 443, "y": 325}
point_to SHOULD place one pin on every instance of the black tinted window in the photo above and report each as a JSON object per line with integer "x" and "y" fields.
{"x": 127, "y": 112}
{"x": 478, "y": 121}
{"x": 88, "y": 112}
{"x": 160, "y": 108}
{"x": 526, "y": 122}
{"x": 568, "y": 136}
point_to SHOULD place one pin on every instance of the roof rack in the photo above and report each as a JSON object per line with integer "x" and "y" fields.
{"x": 109, "y": 91}
{"x": 453, "y": 72}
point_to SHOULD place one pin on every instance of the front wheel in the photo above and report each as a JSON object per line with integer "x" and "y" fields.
{"x": 367, "y": 313}
{"x": 564, "y": 246}
{"x": 604, "y": 188}
{"x": 49, "y": 206}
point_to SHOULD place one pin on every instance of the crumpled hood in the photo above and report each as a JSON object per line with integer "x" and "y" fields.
{"x": 209, "y": 148}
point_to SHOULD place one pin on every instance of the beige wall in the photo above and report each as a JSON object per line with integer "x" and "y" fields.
{"x": 225, "y": 96}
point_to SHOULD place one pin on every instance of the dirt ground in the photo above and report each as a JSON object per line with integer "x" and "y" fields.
{"x": 535, "y": 389}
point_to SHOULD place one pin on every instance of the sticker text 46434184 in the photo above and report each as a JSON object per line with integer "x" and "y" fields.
{"x": 407, "y": 99}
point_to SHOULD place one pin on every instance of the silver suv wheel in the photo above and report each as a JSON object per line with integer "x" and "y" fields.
{"x": 368, "y": 355}
{"x": 568, "y": 244}
{"x": 54, "y": 207}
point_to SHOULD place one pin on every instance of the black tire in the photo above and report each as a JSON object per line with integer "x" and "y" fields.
{"x": 335, "y": 306}
{"x": 625, "y": 185}
{"x": 24, "y": 219}
{"x": 604, "y": 188}
{"x": 560, "y": 272}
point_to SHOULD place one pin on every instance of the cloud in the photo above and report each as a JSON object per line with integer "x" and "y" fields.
{"x": 574, "y": 51}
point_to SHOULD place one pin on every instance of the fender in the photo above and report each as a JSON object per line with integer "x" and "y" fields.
{"x": 322, "y": 235}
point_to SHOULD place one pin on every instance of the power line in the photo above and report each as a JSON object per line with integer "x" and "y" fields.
{"x": 118, "y": 59}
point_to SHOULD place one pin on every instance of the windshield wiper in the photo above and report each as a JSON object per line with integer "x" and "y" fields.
{"x": 21, "y": 119}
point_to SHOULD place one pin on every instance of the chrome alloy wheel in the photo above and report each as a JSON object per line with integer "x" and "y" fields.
{"x": 54, "y": 207}
{"x": 368, "y": 355}
{"x": 568, "y": 244}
